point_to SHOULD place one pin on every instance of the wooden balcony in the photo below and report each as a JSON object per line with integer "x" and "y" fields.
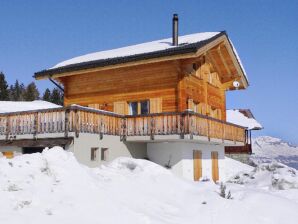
{"x": 76, "y": 119}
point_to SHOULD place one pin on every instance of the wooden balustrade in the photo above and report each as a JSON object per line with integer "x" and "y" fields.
{"x": 84, "y": 120}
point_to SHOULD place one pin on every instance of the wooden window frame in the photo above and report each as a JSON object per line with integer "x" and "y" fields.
{"x": 139, "y": 106}
{"x": 104, "y": 154}
{"x": 94, "y": 154}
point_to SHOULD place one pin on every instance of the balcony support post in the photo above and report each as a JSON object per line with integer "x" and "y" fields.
{"x": 182, "y": 125}
{"x": 66, "y": 123}
{"x": 7, "y": 128}
{"x": 123, "y": 131}
{"x": 35, "y": 125}
{"x": 152, "y": 128}
{"x": 77, "y": 123}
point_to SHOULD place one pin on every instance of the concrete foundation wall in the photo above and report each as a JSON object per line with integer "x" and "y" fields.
{"x": 180, "y": 155}
{"x": 82, "y": 145}
{"x": 241, "y": 157}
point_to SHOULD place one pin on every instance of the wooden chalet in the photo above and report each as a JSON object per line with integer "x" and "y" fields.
{"x": 163, "y": 100}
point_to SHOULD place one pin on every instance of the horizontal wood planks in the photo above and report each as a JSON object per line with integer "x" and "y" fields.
{"x": 125, "y": 84}
{"x": 202, "y": 79}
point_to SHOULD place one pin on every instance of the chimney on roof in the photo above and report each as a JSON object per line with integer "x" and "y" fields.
{"x": 175, "y": 30}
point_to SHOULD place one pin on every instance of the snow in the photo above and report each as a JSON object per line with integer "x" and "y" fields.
{"x": 52, "y": 187}
{"x": 15, "y": 106}
{"x": 267, "y": 149}
{"x": 148, "y": 47}
{"x": 236, "y": 117}
{"x": 232, "y": 167}
{"x": 269, "y": 176}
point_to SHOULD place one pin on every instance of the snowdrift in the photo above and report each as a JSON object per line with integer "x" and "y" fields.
{"x": 52, "y": 187}
{"x": 269, "y": 175}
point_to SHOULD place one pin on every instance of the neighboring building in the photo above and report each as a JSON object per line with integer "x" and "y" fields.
{"x": 245, "y": 118}
{"x": 163, "y": 100}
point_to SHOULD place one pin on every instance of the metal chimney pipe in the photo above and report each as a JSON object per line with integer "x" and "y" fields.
{"x": 175, "y": 30}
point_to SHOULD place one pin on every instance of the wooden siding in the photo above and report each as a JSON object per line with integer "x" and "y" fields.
{"x": 125, "y": 84}
{"x": 179, "y": 85}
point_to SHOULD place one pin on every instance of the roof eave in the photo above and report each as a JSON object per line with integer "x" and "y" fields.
{"x": 182, "y": 50}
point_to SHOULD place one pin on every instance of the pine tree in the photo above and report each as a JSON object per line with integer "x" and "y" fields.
{"x": 4, "y": 91}
{"x": 57, "y": 97}
{"x": 31, "y": 92}
{"x": 47, "y": 95}
{"x": 22, "y": 91}
{"x": 17, "y": 91}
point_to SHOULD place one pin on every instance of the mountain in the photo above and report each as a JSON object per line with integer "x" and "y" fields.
{"x": 267, "y": 149}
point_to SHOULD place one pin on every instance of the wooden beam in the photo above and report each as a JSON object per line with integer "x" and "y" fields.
{"x": 129, "y": 64}
{"x": 210, "y": 57}
{"x": 226, "y": 85}
{"x": 223, "y": 60}
{"x": 45, "y": 142}
{"x": 231, "y": 52}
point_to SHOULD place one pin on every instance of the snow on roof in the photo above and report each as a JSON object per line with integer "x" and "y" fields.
{"x": 16, "y": 106}
{"x": 148, "y": 47}
{"x": 239, "y": 118}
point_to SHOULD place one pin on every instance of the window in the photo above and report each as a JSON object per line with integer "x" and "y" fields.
{"x": 104, "y": 154}
{"x": 133, "y": 107}
{"x": 139, "y": 107}
{"x": 144, "y": 107}
{"x": 94, "y": 152}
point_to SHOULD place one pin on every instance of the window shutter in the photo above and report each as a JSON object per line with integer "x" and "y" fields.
{"x": 204, "y": 109}
{"x": 191, "y": 105}
{"x": 155, "y": 105}
{"x": 121, "y": 107}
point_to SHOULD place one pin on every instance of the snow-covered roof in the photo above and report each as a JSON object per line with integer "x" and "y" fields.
{"x": 243, "y": 118}
{"x": 152, "y": 46}
{"x": 16, "y": 106}
{"x": 159, "y": 48}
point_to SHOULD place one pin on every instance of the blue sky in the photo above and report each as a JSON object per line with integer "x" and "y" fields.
{"x": 35, "y": 35}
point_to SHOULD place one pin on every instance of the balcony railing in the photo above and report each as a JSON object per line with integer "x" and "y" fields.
{"x": 86, "y": 120}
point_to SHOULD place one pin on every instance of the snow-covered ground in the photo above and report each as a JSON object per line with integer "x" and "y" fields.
{"x": 267, "y": 149}
{"x": 52, "y": 187}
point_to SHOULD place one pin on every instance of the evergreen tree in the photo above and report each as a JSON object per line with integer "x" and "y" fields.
{"x": 57, "y": 97}
{"x": 17, "y": 91}
{"x": 47, "y": 95}
{"x": 31, "y": 92}
{"x": 22, "y": 91}
{"x": 11, "y": 92}
{"x": 4, "y": 91}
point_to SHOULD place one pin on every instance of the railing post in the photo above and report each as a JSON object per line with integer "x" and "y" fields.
{"x": 152, "y": 123}
{"x": 101, "y": 130}
{"x": 182, "y": 124}
{"x": 190, "y": 125}
{"x": 208, "y": 129}
{"x": 233, "y": 134}
{"x": 7, "y": 127}
{"x": 66, "y": 123}
{"x": 35, "y": 125}
{"x": 222, "y": 132}
{"x": 77, "y": 123}
{"x": 123, "y": 131}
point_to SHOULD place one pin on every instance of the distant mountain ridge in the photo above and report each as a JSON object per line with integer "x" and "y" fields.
{"x": 267, "y": 149}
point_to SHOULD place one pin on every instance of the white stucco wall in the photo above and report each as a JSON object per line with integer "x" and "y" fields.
{"x": 181, "y": 156}
{"x": 82, "y": 145}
